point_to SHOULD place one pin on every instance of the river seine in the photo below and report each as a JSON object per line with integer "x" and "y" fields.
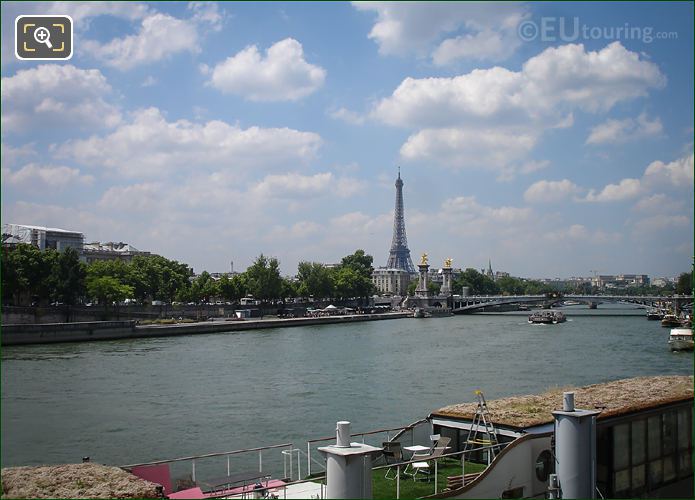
{"x": 132, "y": 401}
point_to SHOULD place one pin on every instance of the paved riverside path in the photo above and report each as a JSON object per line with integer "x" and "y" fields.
{"x": 110, "y": 330}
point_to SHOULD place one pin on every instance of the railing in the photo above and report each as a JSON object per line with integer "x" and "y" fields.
{"x": 311, "y": 443}
{"x": 226, "y": 454}
{"x": 462, "y": 454}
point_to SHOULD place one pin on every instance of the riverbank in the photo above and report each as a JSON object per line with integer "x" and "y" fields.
{"x": 113, "y": 330}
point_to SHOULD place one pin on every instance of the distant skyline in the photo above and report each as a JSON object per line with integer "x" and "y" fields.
{"x": 555, "y": 139}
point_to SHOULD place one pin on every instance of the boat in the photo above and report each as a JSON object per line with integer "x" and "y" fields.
{"x": 681, "y": 339}
{"x": 654, "y": 315}
{"x": 547, "y": 318}
{"x": 421, "y": 313}
{"x": 670, "y": 320}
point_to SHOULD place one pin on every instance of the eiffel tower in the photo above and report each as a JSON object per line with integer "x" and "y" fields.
{"x": 399, "y": 256}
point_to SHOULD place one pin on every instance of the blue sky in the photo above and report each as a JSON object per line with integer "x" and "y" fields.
{"x": 555, "y": 139}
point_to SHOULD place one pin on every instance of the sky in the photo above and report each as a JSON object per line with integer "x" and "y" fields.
{"x": 555, "y": 139}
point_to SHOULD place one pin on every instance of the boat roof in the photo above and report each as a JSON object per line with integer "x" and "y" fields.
{"x": 612, "y": 398}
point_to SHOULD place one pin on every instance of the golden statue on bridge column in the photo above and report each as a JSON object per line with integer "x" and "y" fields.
{"x": 447, "y": 262}
{"x": 423, "y": 259}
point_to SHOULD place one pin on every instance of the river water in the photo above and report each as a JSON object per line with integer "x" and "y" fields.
{"x": 147, "y": 399}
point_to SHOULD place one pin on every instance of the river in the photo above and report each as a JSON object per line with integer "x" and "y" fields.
{"x": 138, "y": 400}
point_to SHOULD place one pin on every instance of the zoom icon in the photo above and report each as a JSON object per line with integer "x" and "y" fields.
{"x": 43, "y": 37}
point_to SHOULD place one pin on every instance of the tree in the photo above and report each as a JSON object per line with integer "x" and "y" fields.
{"x": 353, "y": 278}
{"x": 684, "y": 285}
{"x": 314, "y": 279}
{"x": 289, "y": 289}
{"x": 203, "y": 288}
{"x": 263, "y": 278}
{"x": 478, "y": 283}
{"x": 108, "y": 289}
{"x": 232, "y": 288}
{"x": 27, "y": 274}
{"x": 69, "y": 277}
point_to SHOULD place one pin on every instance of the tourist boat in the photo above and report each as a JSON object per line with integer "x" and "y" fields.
{"x": 655, "y": 314}
{"x": 681, "y": 339}
{"x": 547, "y": 318}
{"x": 671, "y": 321}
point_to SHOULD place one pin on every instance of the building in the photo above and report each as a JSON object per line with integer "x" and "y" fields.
{"x": 42, "y": 237}
{"x": 391, "y": 281}
{"x": 604, "y": 282}
{"x": 662, "y": 282}
{"x": 399, "y": 255}
{"x": 96, "y": 250}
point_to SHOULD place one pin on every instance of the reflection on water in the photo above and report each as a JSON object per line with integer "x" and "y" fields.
{"x": 137, "y": 400}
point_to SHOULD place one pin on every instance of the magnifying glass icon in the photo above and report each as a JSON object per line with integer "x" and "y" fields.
{"x": 42, "y": 35}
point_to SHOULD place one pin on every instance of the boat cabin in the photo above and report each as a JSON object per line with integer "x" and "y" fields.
{"x": 643, "y": 439}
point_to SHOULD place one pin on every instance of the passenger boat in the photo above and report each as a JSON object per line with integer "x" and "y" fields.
{"x": 547, "y": 318}
{"x": 681, "y": 339}
{"x": 654, "y": 315}
{"x": 670, "y": 320}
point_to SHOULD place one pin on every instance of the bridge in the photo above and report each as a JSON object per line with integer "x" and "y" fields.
{"x": 471, "y": 304}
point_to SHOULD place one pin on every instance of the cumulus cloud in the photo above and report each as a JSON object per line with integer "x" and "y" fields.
{"x": 150, "y": 145}
{"x": 504, "y": 112}
{"x": 282, "y": 75}
{"x": 53, "y": 95}
{"x": 621, "y": 131}
{"x": 207, "y": 13}
{"x": 297, "y": 186}
{"x": 624, "y": 190}
{"x": 678, "y": 173}
{"x": 160, "y": 36}
{"x": 461, "y": 148}
{"x": 551, "y": 191}
{"x": 658, "y": 203}
{"x": 33, "y": 174}
{"x": 481, "y": 31}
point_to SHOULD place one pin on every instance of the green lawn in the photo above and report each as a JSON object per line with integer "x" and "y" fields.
{"x": 386, "y": 488}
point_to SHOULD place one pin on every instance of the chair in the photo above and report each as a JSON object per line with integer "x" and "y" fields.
{"x": 425, "y": 458}
{"x": 393, "y": 454}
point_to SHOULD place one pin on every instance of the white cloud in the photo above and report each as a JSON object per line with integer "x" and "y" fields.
{"x": 160, "y": 36}
{"x": 149, "y": 81}
{"x": 150, "y": 145}
{"x": 33, "y": 174}
{"x": 11, "y": 155}
{"x": 621, "y": 131}
{"x": 483, "y": 31}
{"x": 499, "y": 115}
{"x": 658, "y": 203}
{"x": 624, "y": 190}
{"x": 678, "y": 173}
{"x": 207, "y": 13}
{"x": 351, "y": 117}
{"x": 551, "y": 191}
{"x": 53, "y": 95}
{"x": 282, "y": 75}
{"x": 297, "y": 186}
{"x": 661, "y": 223}
{"x": 533, "y": 166}
{"x": 468, "y": 148}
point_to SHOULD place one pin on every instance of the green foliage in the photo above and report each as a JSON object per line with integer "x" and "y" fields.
{"x": 478, "y": 283}
{"x": 359, "y": 262}
{"x": 289, "y": 288}
{"x": 203, "y": 288}
{"x": 108, "y": 289}
{"x": 69, "y": 277}
{"x": 232, "y": 288}
{"x": 412, "y": 286}
{"x": 263, "y": 278}
{"x": 684, "y": 285}
{"x": 314, "y": 279}
{"x": 353, "y": 278}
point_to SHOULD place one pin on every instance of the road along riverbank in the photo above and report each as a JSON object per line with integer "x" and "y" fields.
{"x": 111, "y": 330}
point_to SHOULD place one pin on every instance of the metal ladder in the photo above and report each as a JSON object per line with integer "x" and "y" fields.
{"x": 487, "y": 436}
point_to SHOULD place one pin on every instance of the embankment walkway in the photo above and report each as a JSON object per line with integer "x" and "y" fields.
{"x": 111, "y": 330}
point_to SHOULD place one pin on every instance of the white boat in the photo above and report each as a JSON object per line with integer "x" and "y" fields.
{"x": 681, "y": 339}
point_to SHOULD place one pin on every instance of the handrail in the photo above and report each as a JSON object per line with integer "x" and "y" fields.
{"x": 368, "y": 433}
{"x": 503, "y": 445}
{"x": 207, "y": 455}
